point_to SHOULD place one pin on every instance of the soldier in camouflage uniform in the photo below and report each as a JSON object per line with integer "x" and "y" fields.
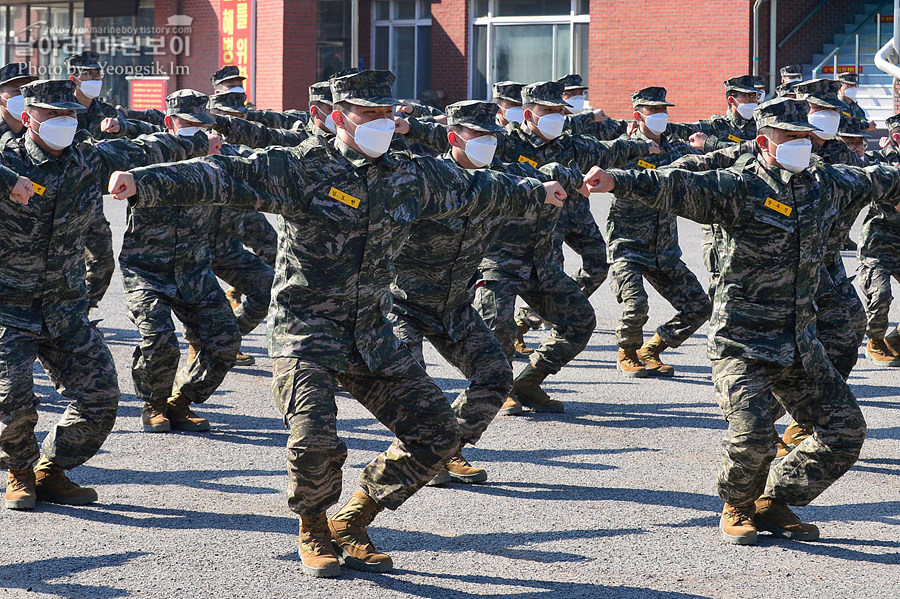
{"x": 433, "y": 292}
{"x": 791, "y": 73}
{"x": 345, "y": 209}
{"x": 737, "y": 124}
{"x": 775, "y": 210}
{"x": 643, "y": 244}
{"x": 879, "y": 262}
{"x": 847, "y": 93}
{"x": 166, "y": 267}
{"x": 12, "y": 77}
{"x": 43, "y": 300}
{"x": 229, "y": 79}
{"x": 587, "y": 122}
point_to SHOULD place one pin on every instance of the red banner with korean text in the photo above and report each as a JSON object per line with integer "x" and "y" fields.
{"x": 147, "y": 92}
{"x": 236, "y": 43}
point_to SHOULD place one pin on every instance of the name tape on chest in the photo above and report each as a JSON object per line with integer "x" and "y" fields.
{"x": 734, "y": 138}
{"x": 38, "y": 189}
{"x": 846, "y": 113}
{"x": 645, "y": 164}
{"x": 528, "y": 160}
{"x": 778, "y": 207}
{"x": 344, "y": 198}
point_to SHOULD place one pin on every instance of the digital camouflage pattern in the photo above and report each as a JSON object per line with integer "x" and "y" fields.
{"x": 99, "y": 262}
{"x": 260, "y": 236}
{"x": 225, "y": 73}
{"x": 725, "y": 130}
{"x": 256, "y": 135}
{"x": 82, "y": 370}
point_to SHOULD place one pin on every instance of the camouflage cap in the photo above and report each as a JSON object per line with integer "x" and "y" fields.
{"x": 320, "y": 92}
{"x": 190, "y": 105}
{"x": 759, "y": 82}
{"x": 740, "y": 85}
{"x": 571, "y": 82}
{"x": 53, "y": 94}
{"x": 786, "y": 90}
{"x": 226, "y": 73}
{"x": 511, "y": 91}
{"x": 233, "y": 102}
{"x": 792, "y": 70}
{"x": 849, "y": 78}
{"x": 892, "y": 122}
{"x": 650, "y": 96}
{"x": 545, "y": 93}
{"x": 852, "y": 127}
{"x": 16, "y": 72}
{"x": 366, "y": 88}
{"x": 85, "y": 60}
{"x": 783, "y": 113}
{"x": 344, "y": 73}
{"x": 475, "y": 115}
{"x": 821, "y": 92}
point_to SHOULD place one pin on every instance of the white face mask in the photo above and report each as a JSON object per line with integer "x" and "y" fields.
{"x": 16, "y": 106}
{"x": 374, "y": 137}
{"x": 792, "y": 79}
{"x": 793, "y": 155}
{"x": 58, "y": 132}
{"x": 577, "y": 103}
{"x": 826, "y": 120}
{"x": 329, "y": 124}
{"x": 746, "y": 110}
{"x": 187, "y": 131}
{"x": 657, "y": 123}
{"x": 237, "y": 89}
{"x": 850, "y": 93}
{"x": 551, "y": 125}
{"x": 762, "y": 97}
{"x": 480, "y": 150}
{"x": 516, "y": 114}
{"x": 91, "y": 89}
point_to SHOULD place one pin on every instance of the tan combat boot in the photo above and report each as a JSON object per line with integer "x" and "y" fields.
{"x": 775, "y": 517}
{"x": 53, "y": 486}
{"x": 181, "y": 416}
{"x": 234, "y": 297}
{"x": 348, "y": 531}
{"x": 892, "y": 340}
{"x": 649, "y": 355}
{"x": 20, "y": 493}
{"x": 244, "y": 360}
{"x": 193, "y": 350}
{"x": 510, "y": 407}
{"x": 628, "y": 364}
{"x": 317, "y": 556}
{"x": 519, "y": 343}
{"x": 796, "y": 432}
{"x": 737, "y": 525}
{"x": 153, "y": 417}
{"x": 527, "y": 389}
{"x": 462, "y": 471}
{"x": 881, "y": 354}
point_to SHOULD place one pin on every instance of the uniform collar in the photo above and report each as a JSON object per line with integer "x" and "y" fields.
{"x": 38, "y": 155}
{"x": 532, "y": 137}
{"x": 359, "y": 161}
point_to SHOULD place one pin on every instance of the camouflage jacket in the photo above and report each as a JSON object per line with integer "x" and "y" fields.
{"x": 436, "y": 266}
{"x": 279, "y": 120}
{"x": 42, "y": 255}
{"x": 583, "y": 123}
{"x": 151, "y": 116}
{"x": 636, "y": 232}
{"x": 226, "y": 225}
{"x": 723, "y": 130}
{"x": 880, "y": 234}
{"x": 774, "y": 224}
{"x": 255, "y": 135}
{"x": 886, "y": 155}
{"x": 342, "y": 221}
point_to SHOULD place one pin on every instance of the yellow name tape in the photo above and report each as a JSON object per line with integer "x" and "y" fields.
{"x": 845, "y": 113}
{"x": 645, "y": 164}
{"x": 344, "y": 198}
{"x": 778, "y": 207}
{"x": 38, "y": 189}
{"x": 528, "y": 160}
{"x": 734, "y": 138}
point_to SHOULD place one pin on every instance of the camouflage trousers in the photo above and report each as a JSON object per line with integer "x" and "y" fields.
{"x": 260, "y": 236}
{"x": 154, "y": 364}
{"x": 98, "y": 259}
{"x": 710, "y": 241}
{"x": 478, "y": 356}
{"x": 251, "y": 277}
{"x": 841, "y": 325}
{"x": 400, "y": 395}
{"x": 556, "y": 299}
{"x": 746, "y": 390}
{"x": 82, "y": 369}
{"x": 875, "y": 282}
{"x": 677, "y": 285}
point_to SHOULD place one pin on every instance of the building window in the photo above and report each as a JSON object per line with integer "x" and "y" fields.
{"x": 401, "y": 43}
{"x": 334, "y": 41}
{"x": 527, "y": 41}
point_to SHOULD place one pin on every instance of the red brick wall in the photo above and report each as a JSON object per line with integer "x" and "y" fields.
{"x": 285, "y": 53}
{"x": 449, "y": 48}
{"x": 204, "y": 53}
{"x": 649, "y": 42}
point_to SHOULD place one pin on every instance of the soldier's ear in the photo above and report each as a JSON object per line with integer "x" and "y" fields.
{"x": 637, "y": 116}
{"x": 453, "y": 138}
{"x": 763, "y": 142}
{"x": 896, "y": 137}
{"x": 338, "y": 117}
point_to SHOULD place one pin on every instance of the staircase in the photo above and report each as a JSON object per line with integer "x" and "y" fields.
{"x": 874, "y": 86}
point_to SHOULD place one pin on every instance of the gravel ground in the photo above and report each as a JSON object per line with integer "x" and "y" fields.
{"x": 614, "y": 498}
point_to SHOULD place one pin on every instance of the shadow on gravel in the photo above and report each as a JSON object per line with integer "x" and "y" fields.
{"x": 832, "y": 548}
{"x": 550, "y": 457}
{"x": 886, "y": 512}
{"x": 207, "y": 480}
{"x": 878, "y": 467}
{"x": 646, "y": 415}
{"x": 148, "y": 517}
{"x": 446, "y": 585}
{"x": 559, "y": 492}
{"x": 34, "y": 576}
